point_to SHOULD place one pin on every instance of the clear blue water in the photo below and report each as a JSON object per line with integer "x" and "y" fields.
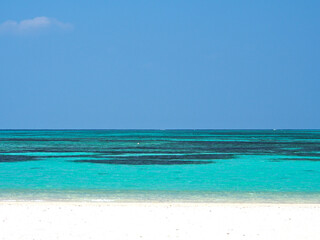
{"x": 195, "y": 165}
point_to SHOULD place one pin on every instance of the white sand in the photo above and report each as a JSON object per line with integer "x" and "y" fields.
{"x": 49, "y": 220}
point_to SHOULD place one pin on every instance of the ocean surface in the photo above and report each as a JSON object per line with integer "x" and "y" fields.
{"x": 160, "y": 165}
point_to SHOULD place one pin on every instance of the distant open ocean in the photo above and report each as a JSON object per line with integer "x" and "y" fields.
{"x": 160, "y": 165}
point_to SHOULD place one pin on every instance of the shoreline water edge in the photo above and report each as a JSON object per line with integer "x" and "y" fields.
{"x": 160, "y": 197}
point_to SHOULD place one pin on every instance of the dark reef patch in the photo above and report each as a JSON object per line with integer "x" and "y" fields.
{"x": 302, "y": 159}
{"x": 40, "y": 139}
{"x": 177, "y": 157}
{"x": 11, "y": 158}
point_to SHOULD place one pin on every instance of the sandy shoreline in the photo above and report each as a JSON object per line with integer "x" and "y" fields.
{"x": 93, "y": 220}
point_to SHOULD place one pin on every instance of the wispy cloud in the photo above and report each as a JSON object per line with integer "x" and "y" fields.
{"x": 33, "y": 25}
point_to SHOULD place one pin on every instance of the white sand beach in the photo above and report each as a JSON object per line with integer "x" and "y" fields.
{"x": 80, "y": 220}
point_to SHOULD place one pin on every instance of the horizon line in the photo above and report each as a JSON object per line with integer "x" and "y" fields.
{"x": 161, "y": 129}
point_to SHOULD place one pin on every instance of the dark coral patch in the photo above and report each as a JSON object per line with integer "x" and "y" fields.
{"x": 11, "y": 158}
{"x": 302, "y": 159}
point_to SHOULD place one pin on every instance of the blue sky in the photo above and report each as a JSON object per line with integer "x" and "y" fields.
{"x": 159, "y": 64}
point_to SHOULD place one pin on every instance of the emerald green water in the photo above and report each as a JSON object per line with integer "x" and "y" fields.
{"x": 210, "y": 165}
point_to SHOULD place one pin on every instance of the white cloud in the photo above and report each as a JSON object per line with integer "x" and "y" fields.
{"x": 32, "y": 25}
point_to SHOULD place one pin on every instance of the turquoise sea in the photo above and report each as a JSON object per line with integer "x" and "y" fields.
{"x": 160, "y": 165}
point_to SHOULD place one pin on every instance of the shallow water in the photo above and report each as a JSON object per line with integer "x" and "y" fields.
{"x": 190, "y": 165}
